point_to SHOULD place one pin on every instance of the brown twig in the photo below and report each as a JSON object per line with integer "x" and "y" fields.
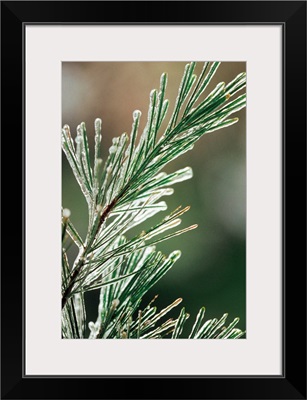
{"x": 81, "y": 261}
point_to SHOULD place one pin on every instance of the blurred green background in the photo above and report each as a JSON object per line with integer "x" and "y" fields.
{"x": 211, "y": 271}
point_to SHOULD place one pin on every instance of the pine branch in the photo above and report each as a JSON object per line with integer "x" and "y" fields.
{"x": 125, "y": 191}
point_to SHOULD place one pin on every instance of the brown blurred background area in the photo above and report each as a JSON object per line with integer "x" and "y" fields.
{"x": 212, "y": 270}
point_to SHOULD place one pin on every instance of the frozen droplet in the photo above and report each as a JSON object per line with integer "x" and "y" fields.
{"x": 153, "y": 94}
{"x": 136, "y": 114}
{"x": 109, "y": 169}
{"x": 99, "y": 161}
{"x": 123, "y": 138}
{"x": 66, "y": 213}
{"x": 163, "y": 78}
{"x": 98, "y": 123}
{"x": 99, "y": 208}
{"x": 78, "y": 139}
{"x": 115, "y": 140}
{"x": 66, "y": 129}
{"x": 165, "y": 103}
{"x": 160, "y": 175}
{"x": 112, "y": 149}
{"x": 79, "y": 130}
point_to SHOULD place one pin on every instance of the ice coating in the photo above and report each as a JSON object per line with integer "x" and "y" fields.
{"x": 175, "y": 255}
{"x": 153, "y": 94}
{"x": 168, "y": 225}
{"x": 66, "y": 129}
{"x": 98, "y": 123}
{"x": 163, "y": 79}
{"x": 99, "y": 208}
{"x": 112, "y": 149}
{"x": 78, "y": 139}
{"x": 79, "y": 130}
{"x": 182, "y": 175}
{"x": 136, "y": 114}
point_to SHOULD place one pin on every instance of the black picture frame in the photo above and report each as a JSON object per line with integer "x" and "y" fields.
{"x": 292, "y": 16}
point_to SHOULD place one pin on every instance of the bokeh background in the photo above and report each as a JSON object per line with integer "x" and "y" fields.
{"x": 212, "y": 269}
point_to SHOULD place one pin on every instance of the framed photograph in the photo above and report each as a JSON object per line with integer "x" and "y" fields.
{"x": 127, "y": 114}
